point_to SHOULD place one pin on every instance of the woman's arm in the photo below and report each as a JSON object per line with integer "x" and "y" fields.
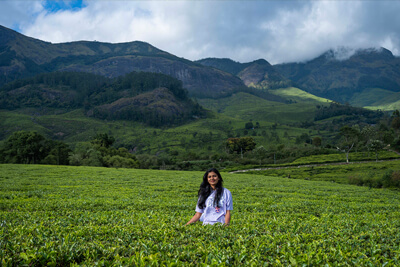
{"x": 195, "y": 218}
{"x": 227, "y": 217}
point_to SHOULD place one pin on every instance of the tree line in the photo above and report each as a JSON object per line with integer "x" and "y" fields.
{"x": 29, "y": 147}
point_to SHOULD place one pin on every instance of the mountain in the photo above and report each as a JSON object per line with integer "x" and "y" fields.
{"x": 259, "y": 73}
{"x": 347, "y": 79}
{"x": 224, "y": 64}
{"x": 22, "y": 56}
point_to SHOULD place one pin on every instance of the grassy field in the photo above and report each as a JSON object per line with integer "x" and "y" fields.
{"x": 59, "y": 216}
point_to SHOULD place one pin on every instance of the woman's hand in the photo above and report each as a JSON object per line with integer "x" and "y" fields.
{"x": 195, "y": 218}
{"x": 227, "y": 218}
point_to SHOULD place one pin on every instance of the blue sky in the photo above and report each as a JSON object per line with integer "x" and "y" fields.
{"x": 277, "y": 31}
{"x": 56, "y": 6}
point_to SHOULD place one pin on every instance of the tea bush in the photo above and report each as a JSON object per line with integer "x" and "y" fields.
{"x": 60, "y": 215}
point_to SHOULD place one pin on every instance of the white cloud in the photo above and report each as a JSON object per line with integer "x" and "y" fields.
{"x": 14, "y": 14}
{"x": 278, "y": 31}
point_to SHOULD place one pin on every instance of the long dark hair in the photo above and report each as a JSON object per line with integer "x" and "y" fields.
{"x": 206, "y": 189}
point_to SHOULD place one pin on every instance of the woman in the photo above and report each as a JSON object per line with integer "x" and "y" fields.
{"x": 215, "y": 202}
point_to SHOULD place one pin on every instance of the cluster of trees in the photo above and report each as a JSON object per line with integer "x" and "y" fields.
{"x": 32, "y": 148}
{"x": 372, "y": 138}
{"x": 240, "y": 145}
{"x": 166, "y": 113}
{"x": 250, "y": 125}
{"x": 56, "y": 90}
{"x": 336, "y": 109}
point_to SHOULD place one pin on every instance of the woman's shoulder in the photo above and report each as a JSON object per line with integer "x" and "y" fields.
{"x": 226, "y": 191}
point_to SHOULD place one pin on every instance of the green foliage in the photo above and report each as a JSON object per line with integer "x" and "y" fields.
{"x": 249, "y": 125}
{"x": 389, "y": 179}
{"x": 317, "y": 141}
{"x": 69, "y": 216}
{"x": 336, "y": 109}
{"x": 99, "y": 152}
{"x": 303, "y": 138}
{"x": 30, "y": 147}
{"x": 103, "y": 140}
{"x": 24, "y": 147}
{"x": 240, "y": 145}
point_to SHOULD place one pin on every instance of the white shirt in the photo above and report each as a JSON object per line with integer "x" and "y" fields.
{"x": 211, "y": 214}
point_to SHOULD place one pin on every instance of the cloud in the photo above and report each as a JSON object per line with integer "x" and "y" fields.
{"x": 278, "y": 31}
{"x": 15, "y": 14}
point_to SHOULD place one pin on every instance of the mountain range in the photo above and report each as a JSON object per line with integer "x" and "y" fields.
{"x": 22, "y": 56}
{"x": 366, "y": 78}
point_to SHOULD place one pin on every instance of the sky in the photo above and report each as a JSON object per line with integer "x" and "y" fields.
{"x": 277, "y": 31}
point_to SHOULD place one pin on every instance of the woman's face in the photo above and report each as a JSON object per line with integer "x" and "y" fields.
{"x": 212, "y": 179}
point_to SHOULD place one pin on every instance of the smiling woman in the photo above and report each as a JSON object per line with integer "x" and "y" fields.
{"x": 54, "y": 6}
{"x": 214, "y": 204}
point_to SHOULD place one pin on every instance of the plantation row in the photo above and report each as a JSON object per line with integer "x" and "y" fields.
{"x": 60, "y": 215}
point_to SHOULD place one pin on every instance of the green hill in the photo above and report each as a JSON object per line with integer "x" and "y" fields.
{"x": 388, "y": 100}
{"x": 298, "y": 95}
{"x": 151, "y": 98}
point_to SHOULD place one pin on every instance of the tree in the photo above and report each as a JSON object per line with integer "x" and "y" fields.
{"x": 367, "y": 134}
{"x": 376, "y": 145}
{"x": 24, "y": 147}
{"x": 349, "y": 137}
{"x": 249, "y": 125}
{"x": 103, "y": 140}
{"x": 58, "y": 153}
{"x": 260, "y": 153}
{"x": 396, "y": 123}
{"x": 303, "y": 138}
{"x": 317, "y": 141}
{"x": 85, "y": 154}
{"x": 240, "y": 145}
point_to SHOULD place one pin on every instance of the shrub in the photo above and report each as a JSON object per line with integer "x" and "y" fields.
{"x": 387, "y": 178}
{"x": 396, "y": 178}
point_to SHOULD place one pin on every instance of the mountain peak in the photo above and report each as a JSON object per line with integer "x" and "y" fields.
{"x": 7, "y": 35}
{"x": 378, "y": 53}
{"x": 345, "y": 53}
{"x": 261, "y": 62}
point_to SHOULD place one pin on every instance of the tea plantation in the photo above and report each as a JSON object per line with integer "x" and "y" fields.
{"x": 85, "y": 216}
